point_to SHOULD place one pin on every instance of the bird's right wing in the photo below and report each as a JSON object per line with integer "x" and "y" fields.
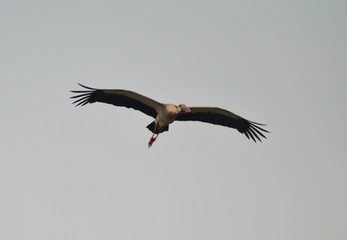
{"x": 117, "y": 97}
{"x": 224, "y": 118}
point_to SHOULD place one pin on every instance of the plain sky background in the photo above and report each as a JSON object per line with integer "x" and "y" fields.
{"x": 86, "y": 173}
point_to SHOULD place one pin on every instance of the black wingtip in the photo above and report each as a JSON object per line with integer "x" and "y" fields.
{"x": 83, "y": 97}
{"x": 254, "y": 131}
{"x": 86, "y": 87}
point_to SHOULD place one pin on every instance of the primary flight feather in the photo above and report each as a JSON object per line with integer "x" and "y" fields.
{"x": 165, "y": 114}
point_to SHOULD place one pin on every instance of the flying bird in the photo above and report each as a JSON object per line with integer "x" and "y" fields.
{"x": 165, "y": 114}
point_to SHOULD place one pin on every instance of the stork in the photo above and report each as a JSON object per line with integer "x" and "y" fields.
{"x": 165, "y": 114}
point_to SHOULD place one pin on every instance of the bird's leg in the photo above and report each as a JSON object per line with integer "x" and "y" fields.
{"x": 154, "y": 136}
{"x": 152, "y": 139}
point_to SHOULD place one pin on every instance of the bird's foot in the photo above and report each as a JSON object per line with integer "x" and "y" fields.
{"x": 152, "y": 140}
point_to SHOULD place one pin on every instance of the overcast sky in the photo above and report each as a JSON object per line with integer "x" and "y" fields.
{"x": 86, "y": 173}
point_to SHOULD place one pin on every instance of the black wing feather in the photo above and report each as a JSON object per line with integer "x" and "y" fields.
{"x": 225, "y": 118}
{"x": 117, "y": 97}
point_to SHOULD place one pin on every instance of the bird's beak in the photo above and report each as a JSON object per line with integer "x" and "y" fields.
{"x": 186, "y": 109}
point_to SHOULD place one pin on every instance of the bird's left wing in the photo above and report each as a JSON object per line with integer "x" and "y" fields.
{"x": 225, "y": 118}
{"x": 117, "y": 97}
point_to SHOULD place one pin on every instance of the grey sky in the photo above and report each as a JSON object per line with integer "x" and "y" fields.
{"x": 86, "y": 173}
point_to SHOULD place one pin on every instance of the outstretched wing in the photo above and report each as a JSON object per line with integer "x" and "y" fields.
{"x": 117, "y": 97}
{"x": 225, "y": 118}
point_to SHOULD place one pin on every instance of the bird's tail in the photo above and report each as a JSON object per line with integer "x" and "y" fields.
{"x": 151, "y": 128}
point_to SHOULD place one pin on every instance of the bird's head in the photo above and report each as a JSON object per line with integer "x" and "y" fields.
{"x": 184, "y": 109}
